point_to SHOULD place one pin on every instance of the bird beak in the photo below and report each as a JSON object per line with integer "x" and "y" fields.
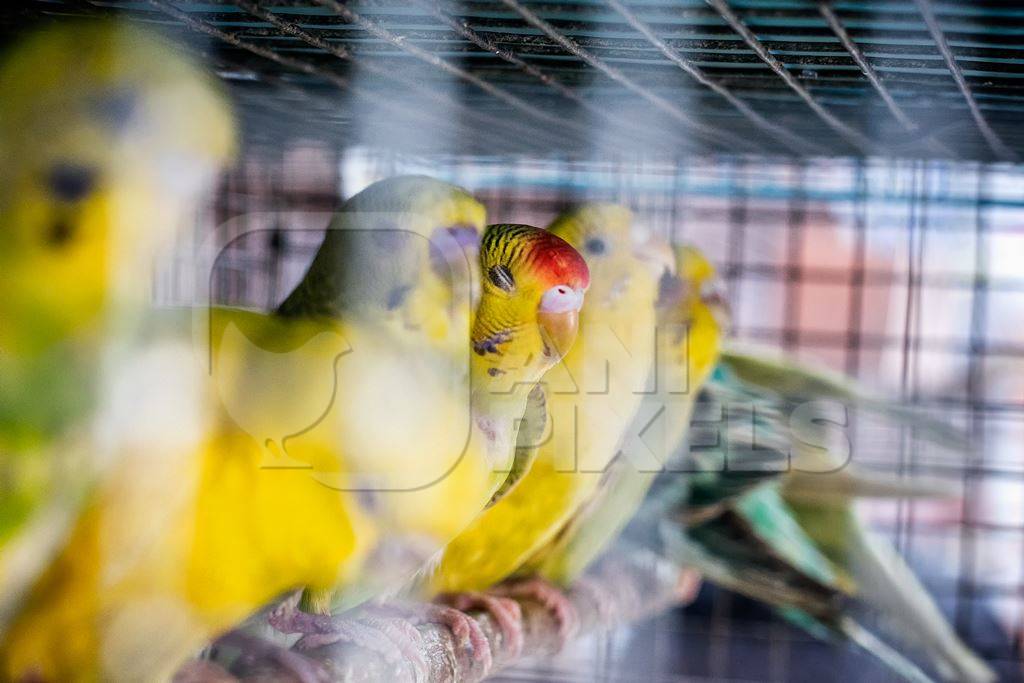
{"x": 559, "y": 322}
{"x": 712, "y": 295}
{"x": 671, "y": 290}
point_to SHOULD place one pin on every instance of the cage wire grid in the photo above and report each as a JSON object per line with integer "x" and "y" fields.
{"x": 789, "y": 77}
{"x": 903, "y": 273}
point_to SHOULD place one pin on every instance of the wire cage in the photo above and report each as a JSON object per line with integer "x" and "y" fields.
{"x": 847, "y": 165}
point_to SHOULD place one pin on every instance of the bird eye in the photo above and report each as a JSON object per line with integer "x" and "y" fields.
{"x": 70, "y": 182}
{"x": 594, "y": 246}
{"x": 60, "y": 233}
{"x": 501, "y": 277}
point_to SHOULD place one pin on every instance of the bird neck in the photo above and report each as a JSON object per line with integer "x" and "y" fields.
{"x": 504, "y": 368}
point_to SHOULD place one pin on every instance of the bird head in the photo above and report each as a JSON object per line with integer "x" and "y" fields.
{"x": 694, "y": 301}
{"x": 533, "y": 285}
{"x": 617, "y": 254}
{"x": 706, "y": 289}
{"x": 107, "y": 134}
{"x": 405, "y": 249}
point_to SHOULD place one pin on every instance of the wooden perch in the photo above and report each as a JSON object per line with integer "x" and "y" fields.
{"x": 624, "y": 586}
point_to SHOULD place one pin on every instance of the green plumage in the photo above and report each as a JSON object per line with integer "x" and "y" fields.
{"x": 807, "y": 555}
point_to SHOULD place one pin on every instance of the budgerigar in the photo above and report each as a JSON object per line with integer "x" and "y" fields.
{"x": 408, "y": 235}
{"x": 692, "y": 319}
{"x": 591, "y": 399}
{"x": 402, "y": 257}
{"x": 884, "y": 581}
{"x": 107, "y": 135}
{"x": 802, "y": 549}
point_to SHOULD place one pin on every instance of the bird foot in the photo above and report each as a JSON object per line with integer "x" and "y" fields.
{"x": 550, "y": 597}
{"x": 507, "y": 615}
{"x": 688, "y": 586}
{"x": 255, "y": 649}
{"x": 468, "y": 634}
{"x": 605, "y": 603}
{"x": 394, "y": 639}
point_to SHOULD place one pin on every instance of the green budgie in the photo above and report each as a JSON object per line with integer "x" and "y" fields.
{"x": 791, "y": 538}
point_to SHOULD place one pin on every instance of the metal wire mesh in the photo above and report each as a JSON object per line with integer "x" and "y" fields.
{"x": 794, "y": 77}
{"x": 903, "y": 273}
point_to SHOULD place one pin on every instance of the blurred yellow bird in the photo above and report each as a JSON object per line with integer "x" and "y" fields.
{"x": 692, "y": 321}
{"x": 107, "y": 135}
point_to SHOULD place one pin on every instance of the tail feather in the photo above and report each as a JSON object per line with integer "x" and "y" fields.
{"x": 839, "y": 487}
{"x": 791, "y": 380}
{"x": 873, "y": 645}
{"x": 893, "y": 589}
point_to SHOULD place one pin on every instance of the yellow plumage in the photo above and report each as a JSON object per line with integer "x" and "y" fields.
{"x": 192, "y": 531}
{"x": 96, "y": 118}
{"x": 691, "y": 322}
{"x": 592, "y": 396}
{"x": 212, "y": 486}
{"x": 185, "y": 536}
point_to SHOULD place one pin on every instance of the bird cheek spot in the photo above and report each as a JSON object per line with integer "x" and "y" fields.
{"x": 368, "y": 499}
{"x": 490, "y": 344}
{"x": 495, "y": 372}
{"x": 594, "y": 246}
{"x": 60, "y": 233}
{"x": 397, "y": 297}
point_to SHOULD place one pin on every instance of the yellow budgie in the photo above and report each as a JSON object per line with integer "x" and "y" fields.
{"x": 395, "y": 255}
{"x": 592, "y": 397}
{"x": 107, "y": 134}
{"x": 692, "y": 321}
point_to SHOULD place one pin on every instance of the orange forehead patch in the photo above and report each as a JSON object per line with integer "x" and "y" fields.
{"x": 557, "y": 261}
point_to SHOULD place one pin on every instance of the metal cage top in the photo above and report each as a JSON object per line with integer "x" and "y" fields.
{"x": 921, "y": 78}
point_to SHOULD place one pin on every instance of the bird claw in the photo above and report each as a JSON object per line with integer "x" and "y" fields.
{"x": 394, "y": 639}
{"x": 550, "y": 597}
{"x": 507, "y": 615}
{"x": 605, "y": 603}
{"x": 467, "y": 632}
{"x": 288, "y": 618}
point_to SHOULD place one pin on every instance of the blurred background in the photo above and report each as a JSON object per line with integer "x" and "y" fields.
{"x": 851, "y": 167}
